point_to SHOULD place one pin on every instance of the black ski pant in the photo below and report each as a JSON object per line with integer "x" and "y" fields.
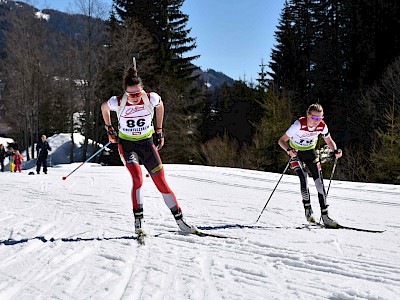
{"x": 309, "y": 159}
{"x": 39, "y": 163}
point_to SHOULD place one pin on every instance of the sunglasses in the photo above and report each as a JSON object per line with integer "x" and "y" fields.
{"x": 134, "y": 95}
{"x": 316, "y": 118}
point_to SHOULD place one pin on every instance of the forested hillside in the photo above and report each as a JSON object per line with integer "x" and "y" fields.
{"x": 345, "y": 55}
{"x": 56, "y": 69}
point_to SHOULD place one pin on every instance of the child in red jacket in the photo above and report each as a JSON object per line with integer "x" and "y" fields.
{"x": 18, "y": 161}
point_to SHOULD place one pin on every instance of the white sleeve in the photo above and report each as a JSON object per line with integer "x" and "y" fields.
{"x": 113, "y": 103}
{"x": 293, "y": 129}
{"x": 155, "y": 99}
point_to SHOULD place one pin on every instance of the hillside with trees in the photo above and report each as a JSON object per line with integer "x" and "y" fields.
{"x": 56, "y": 69}
{"x": 345, "y": 55}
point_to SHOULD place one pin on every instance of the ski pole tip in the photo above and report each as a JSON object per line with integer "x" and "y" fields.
{"x": 64, "y": 178}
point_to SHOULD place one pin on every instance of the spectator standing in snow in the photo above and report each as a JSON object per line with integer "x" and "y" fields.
{"x": 299, "y": 142}
{"x": 42, "y": 149}
{"x": 18, "y": 158}
{"x": 135, "y": 110}
{"x": 10, "y": 154}
{"x": 2, "y": 156}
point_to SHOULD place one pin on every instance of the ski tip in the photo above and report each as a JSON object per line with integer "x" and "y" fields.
{"x": 360, "y": 229}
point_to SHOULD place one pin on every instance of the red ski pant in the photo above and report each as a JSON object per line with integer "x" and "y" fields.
{"x": 133, "y": 152}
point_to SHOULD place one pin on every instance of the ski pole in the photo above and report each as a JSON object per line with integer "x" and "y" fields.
{"x": 97, "y": 152}
{"x": 330, "y": 179}
{"x": 287, "y": 166}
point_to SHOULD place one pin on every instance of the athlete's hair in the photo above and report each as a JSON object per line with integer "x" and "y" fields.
{"x": 131, "y": 78}
{"x": 315, "y": 107}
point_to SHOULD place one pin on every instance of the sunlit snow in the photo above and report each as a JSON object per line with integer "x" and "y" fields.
{"x": 73, "y": 239}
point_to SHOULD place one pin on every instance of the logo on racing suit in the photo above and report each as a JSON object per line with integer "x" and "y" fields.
{"x": 132, "y": 159}
{"x": 133, "y": 110}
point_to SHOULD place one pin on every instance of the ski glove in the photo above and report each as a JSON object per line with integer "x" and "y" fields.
{"x": 338, "y": 153}
{"x": 112, "y": 134}
{"x": 158, "y": 139}
{"x": 291, "y": 152}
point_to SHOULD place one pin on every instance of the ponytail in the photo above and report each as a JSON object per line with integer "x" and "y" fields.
{"x": 131, "y": 78}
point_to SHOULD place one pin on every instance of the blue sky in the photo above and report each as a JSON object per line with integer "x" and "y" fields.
{"x": 232, "y": 36}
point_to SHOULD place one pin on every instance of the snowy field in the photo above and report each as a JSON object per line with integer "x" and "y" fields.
{"x": 74, "y": 239}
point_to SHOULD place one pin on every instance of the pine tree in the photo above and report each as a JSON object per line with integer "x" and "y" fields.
{"x": 330, "y": 51}
{"x": 276, "y": 117}
{"x": 290, "y": 61}
{"x": 262, "y": 79}
{"x": 167, "y": 24}
{"x": 385, "y": 156}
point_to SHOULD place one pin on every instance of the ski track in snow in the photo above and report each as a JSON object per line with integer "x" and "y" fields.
{"x": 74, "y": 239}
{"x": 284, "y": 186}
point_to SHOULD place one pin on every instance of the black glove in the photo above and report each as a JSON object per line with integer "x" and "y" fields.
{"x": 112, "y": 134}
{"x": 158, "y": 138}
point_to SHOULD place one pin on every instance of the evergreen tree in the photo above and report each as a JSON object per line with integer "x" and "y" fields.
{"x": 330, "y": 51}
{"x": 385, "y": 117}
{"x": 290, "y": 61}
{"x": 385, "y": 157}
{"x": 233, "y": 111}
{"x": 127, "y": 40}
{"x": 262, "y": 78}
{"x": 277, "y": 116}
{"x": 167, "y": 24}
{"x": 173, "y": 73}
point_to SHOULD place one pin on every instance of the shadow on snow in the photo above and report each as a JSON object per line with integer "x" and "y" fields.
{"x": 11, "y": 242}
{"x": 239, "y": 226}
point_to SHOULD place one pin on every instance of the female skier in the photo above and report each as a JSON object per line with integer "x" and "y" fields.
{"x": 135, "y": 110}
{"x": 299, "y": 142}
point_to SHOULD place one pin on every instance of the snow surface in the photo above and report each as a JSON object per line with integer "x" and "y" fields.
{"x": 6, "y": 141}
{"x": 42, "y": 15}
{"x": 73, "y": 239}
